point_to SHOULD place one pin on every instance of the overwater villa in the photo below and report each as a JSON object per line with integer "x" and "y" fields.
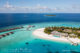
{"x": 5, "y": 34}
{"x": 11, "y": 29}
{"x": 11, "y": 32}
{"x": 0, "y": 36}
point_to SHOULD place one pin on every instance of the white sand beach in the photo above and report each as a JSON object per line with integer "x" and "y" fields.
{"x": 40, "y": 34}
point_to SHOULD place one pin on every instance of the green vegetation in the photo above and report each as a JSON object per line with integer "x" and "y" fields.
{"x": 48, "y": 30}
{"x": 68, "y": 30}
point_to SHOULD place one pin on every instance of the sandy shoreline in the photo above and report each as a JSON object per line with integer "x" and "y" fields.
{"x": 40, "y": 34}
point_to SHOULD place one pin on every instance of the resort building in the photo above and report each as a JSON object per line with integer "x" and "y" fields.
{"x": 67, "y": 30}
{"x": 56, "y": 33}
{"x": 72, "y": 35}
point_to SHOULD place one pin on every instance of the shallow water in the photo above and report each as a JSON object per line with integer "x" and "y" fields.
{"x": 23, "y": 41}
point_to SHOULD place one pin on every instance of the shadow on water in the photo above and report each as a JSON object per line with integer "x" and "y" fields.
{"x": 49, "y": 52}
{"x": 27, "y": 43}
{"x": 56, "y": 52}
{"x": 72, "y": 51}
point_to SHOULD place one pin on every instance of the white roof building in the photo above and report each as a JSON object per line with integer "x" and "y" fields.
{"x": 58, "y": 33}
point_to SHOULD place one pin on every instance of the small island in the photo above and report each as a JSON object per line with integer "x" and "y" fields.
{"x": 50, "y": 15}
{"x": 62, "y": 34}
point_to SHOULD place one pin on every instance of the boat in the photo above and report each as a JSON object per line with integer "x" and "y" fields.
{"x": 76, "y": 44}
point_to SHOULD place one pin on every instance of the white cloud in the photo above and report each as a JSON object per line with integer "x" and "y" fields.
{"x": 7, "y": 5}
{"x": 38, "y": 8}
{"x": 75, "y": 7}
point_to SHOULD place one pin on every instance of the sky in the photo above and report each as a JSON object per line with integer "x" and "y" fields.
{"x": 39, "y": 6}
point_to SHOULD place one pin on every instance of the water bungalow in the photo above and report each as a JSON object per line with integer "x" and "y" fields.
{"x": 0, "y": 36}
{"x": 11, "y": 32}
{"x": 7, "y": 33}
{"x": 3, "y": 35}
{"x": 11, "y": 29}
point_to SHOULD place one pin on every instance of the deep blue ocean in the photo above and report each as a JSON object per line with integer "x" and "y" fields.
{"x": 24, "y": 41}
{"x": 8, "y": 19}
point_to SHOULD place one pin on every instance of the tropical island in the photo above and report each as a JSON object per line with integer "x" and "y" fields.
{"x": 50, "y": 15}
{"x": 63, "y": 31}
{"x": 62, "y": 34}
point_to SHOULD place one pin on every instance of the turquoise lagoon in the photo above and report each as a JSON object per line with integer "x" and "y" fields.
{"x": 23, "y": 41}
